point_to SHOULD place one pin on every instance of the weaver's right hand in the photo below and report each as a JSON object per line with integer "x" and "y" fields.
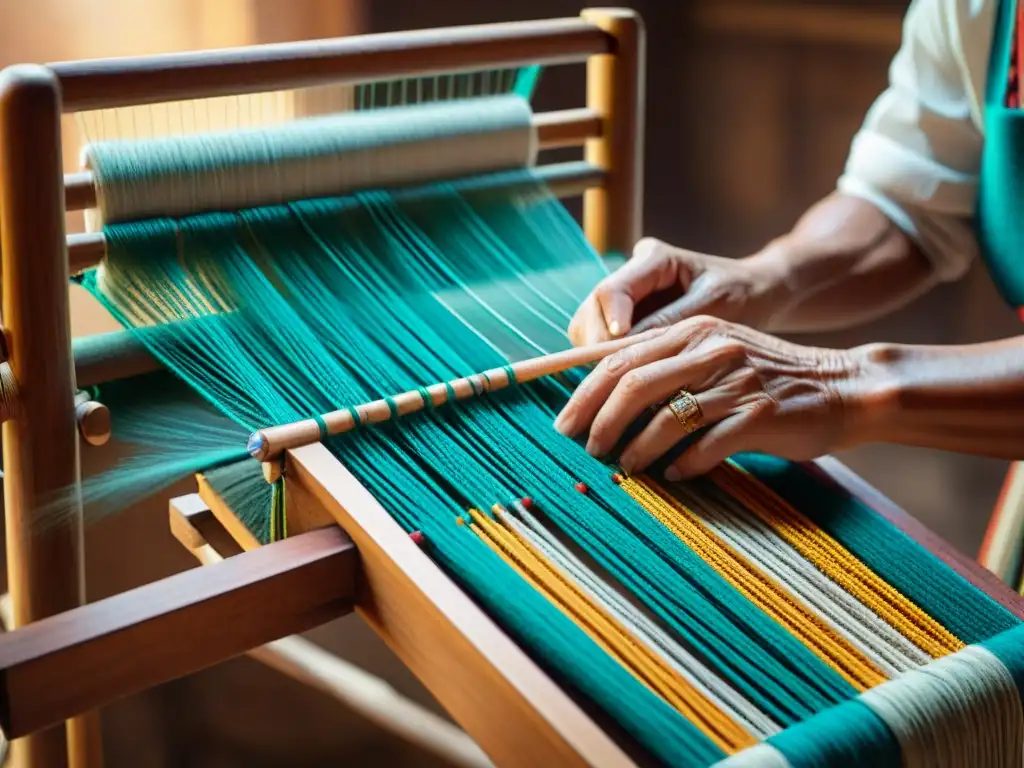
{"x": 662, "y": 285}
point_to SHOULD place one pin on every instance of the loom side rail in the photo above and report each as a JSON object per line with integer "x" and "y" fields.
{"x": 121, "y": 82}
{"x": 513, "y": 710}
{"x": 57, "y": 667}
{"x": 194, "y": 525}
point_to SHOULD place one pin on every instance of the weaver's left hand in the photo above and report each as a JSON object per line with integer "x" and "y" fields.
{"x": 752, "y": 391}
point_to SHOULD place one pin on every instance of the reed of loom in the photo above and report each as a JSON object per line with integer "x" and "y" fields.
{"x": 345, "y": 552}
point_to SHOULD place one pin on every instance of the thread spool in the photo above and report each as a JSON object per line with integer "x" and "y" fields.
{"x": 93, "y": 420}
{"x": 315, "y": 157}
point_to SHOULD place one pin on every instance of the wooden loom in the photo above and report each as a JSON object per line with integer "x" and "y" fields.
{"x": 345, "y": 553}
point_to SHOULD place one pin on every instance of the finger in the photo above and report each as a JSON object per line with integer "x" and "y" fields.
{"x": 695, "y": 370}
{"x": 598, "y": 385}
{"x": 665, "y": 431}
{"x": 735, "y": 434}
{"x": 587, "y": 325}
{"x": 586, "y": 401}
{"x": 653, "y": 268}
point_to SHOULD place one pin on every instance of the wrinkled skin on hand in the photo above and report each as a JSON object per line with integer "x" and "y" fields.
{"x": 756, "y": 392}
{"x": 662, "y": 285}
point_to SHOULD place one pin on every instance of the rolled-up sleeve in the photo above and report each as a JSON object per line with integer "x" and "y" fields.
{"x": 917, "y": 155}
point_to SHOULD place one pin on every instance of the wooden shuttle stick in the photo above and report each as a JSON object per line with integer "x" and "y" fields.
{"x": 269, "y": 443}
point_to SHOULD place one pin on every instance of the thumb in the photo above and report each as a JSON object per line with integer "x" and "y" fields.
{"x": 616, "y": 307}
{"x": 654, "y": 267}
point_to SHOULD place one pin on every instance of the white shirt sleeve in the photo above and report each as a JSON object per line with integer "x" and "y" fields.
{"x": 918, "y": 153}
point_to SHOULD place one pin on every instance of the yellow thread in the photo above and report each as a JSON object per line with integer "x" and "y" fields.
{"x": 755, "y": 585}
{"x": 836, "y": 562}
{"x": 645, "y": 664}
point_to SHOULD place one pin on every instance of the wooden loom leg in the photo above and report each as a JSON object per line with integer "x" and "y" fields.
{"x": 613, "y": 212}
{"x": 40, "y": 444}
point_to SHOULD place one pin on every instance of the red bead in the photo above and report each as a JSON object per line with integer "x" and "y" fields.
{"x": 616, "y": 478}
{"x": 582, "y": 487}
{"x": 527, "y": 502}
{"x": 418, "y": 538}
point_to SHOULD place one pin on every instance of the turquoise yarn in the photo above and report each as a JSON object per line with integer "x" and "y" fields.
{"x": 849, "y": 736}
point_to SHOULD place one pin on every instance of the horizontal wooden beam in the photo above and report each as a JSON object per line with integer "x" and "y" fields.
{"x": 93, "y": 655}
{"x": 107, "y": 83}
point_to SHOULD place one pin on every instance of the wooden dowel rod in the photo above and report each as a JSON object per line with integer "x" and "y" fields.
{"x": 562, "y": 128}
{"x": 567, "y": 127}
{"x": 563, "y": 179}
{"x": 120, "y": 82}
{"x": 79, "y": 191}
{"x": 98, "y": 653}
{"x": 110, "y": 357}
{"x": 269, "y": 443}
{"x": 194, "y": 525}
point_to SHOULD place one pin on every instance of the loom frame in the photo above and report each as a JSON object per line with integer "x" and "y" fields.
{"x": 345, "y": 552}
{"x": 46, "y": 579}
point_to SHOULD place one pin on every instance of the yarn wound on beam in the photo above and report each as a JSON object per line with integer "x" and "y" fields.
{"x": 701, "y": 632}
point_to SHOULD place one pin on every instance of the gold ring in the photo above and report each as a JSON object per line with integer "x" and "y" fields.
{"x": 686, "y": 409}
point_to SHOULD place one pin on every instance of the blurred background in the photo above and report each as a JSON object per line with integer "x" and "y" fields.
{"x": 750, "y": 110}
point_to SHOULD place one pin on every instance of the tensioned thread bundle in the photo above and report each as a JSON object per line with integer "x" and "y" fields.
{"x": 274, "y": 314}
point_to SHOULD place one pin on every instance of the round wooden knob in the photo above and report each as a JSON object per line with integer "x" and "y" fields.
{"x": 93, "y": 422}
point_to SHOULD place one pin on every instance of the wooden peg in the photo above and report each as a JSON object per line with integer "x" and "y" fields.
{"x": 93, "y": 419}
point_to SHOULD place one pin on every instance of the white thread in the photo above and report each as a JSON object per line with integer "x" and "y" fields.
{"x": 889, "y": 650}
{"x": 310, "y": 158}
{"x": 758, "y": 756}
{"x": 684, "y": 663}
{"x": 961, "y": 710}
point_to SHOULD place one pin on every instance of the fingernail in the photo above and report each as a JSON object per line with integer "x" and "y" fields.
{"x": 615, "y": 329}
{"x": 673, "y": 475}
{"x": 563, "y": 423}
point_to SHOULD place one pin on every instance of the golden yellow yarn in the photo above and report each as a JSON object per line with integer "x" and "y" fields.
{"x": 836, "y": 562}
{"x": 758, "y": 587}
{"x": 636, "y": 656}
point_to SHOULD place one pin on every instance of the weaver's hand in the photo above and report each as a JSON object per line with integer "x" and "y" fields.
{"x": 662, "y": 285}
{"x": 752, "y": 391}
